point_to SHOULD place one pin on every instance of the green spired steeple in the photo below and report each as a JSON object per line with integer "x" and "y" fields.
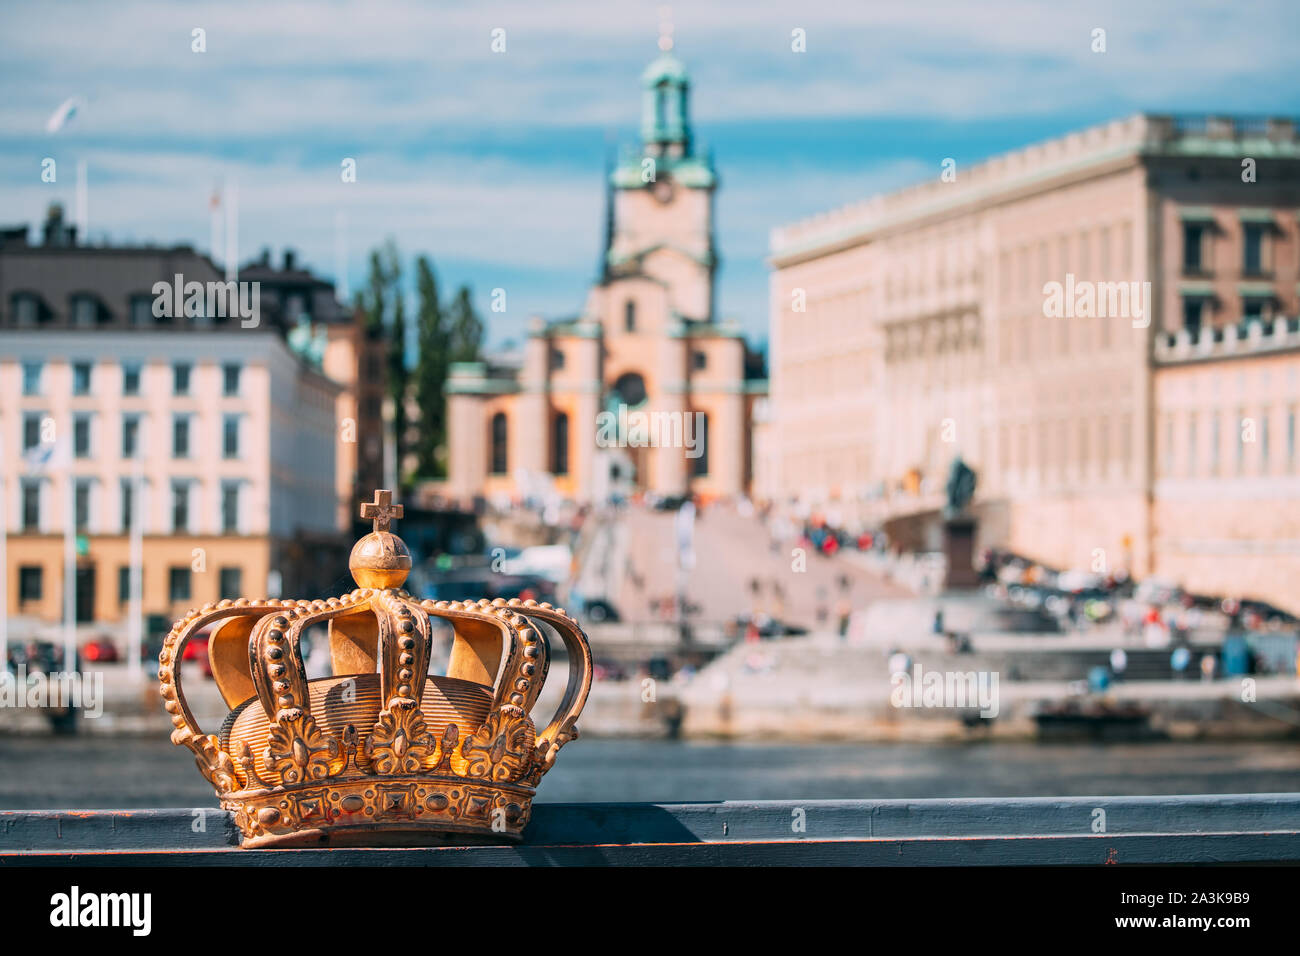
{"x": 666, "y": 136}
{"x": 665, "y": 126}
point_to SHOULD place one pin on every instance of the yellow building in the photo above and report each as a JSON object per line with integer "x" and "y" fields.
{"x": 238, "y": 438}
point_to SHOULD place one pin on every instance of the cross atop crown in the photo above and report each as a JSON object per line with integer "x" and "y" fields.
{"x": 381, "y": 509}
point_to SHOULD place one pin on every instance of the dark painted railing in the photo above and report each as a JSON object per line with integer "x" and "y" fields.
{"x": 1247, "y": 828}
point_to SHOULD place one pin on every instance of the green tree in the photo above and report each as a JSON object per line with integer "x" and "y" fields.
{"x": 434, "y": 343}
{"x": 466, "y": 328}
{"x": 380, "y": 292}
{"x": 399, "y": 379}
{"x": 386, "y": 317}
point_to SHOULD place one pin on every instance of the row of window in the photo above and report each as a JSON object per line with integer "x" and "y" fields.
{"x": 1198, "y": 245}
{"x": 87, "y": 311}
{"x": 499, "y": 458}
{"x": 699, "y": 360}
{"x": 182, "y": 491}
{"x": 1196, "y": 309}
{"x": 31, "y": 583}
{"x": 182, "y": 427}
{"x": 182, "y": 373}
{"x": 1022, "y": 278}
{"x": 1257, "y": 431}
{"x": 1052, "y": 447}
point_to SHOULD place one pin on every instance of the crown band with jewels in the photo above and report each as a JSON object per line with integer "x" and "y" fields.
{"x": 381, "y": 753}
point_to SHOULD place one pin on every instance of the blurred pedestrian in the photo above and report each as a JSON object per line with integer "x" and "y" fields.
{"x": 1208, "y": 666}
{"x": 1118, "y": 663}
{"x": 1179, "y": 660}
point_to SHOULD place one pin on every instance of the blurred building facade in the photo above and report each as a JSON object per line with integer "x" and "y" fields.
{"x": 233, "y": 430}
{"x": 348, "y": 353}
{"x": 1107, "y": 430}
{"x": 648, "y": 341}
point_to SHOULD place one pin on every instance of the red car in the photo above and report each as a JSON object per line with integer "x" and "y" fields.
{"x": 99, "y": 650}
{"x": 197, "y": 650}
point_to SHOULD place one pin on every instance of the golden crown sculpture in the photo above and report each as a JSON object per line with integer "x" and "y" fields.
{"x": 382, "y": 753}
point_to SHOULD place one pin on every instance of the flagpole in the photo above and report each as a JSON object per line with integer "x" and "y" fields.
{"x": 231, "y": 200}
{"x": 83, "y": 206}
{"x": 341, "y": 291}
{"x": 136, "y": 620}
{"x": 69, "y": 574}
{"x": 215, "y": 213}
{"x": 4, "y": 566}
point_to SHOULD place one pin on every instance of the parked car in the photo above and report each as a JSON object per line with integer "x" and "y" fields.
{"x": 197, "y": 650}
{"x": 599, "y": 611}
{"x": 100, "y": 650}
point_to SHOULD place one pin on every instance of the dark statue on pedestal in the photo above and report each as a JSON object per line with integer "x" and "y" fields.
{"x": 961, "y": 488}
{"x": 959, "y": 527}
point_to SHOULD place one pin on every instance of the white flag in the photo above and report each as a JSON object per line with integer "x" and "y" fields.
{"x": 45, "y": 457}
{"x": 59, "y": 118}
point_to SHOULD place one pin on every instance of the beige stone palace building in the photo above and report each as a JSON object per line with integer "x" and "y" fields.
{"x": 1149, "y": 425}
{"x": 645, "y": 390}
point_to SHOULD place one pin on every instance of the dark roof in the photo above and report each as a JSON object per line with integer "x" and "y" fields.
{"x": 112, "y": 275}
{"x": 116, "y": 275}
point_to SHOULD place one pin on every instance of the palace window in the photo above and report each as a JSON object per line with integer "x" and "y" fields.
{"x": 180, "y": 506}
{"x": 1167, "y": 458}
{"x": 701, "y": 463}
{"x": 130, "y": 435}
{"x": 1290, "y": 439}
{"x": 630, "y": 389}
{"x": 181, "y": 378}
{"x": 1215, "y": 443}
{"x": 498, "y": 463}
{"x": 31, "y": 431}
{"x": 32, "y": 378}
{"x": 1193, "y": 309}
{"x": 31, "y": 505}
{"x": 230, "y": 436}
{"x": 85, "y": 311}
{"x": 557, "y": 360}
{"x": 27, "y": 309}
{"x": 560, "y": 445}
{"x": 1193, "y": 248}
{"x": 30, "y": 582}
{"x": 231, "y": 583}
{"x": 629, "y": 316}
{"x": 1265, "y": 415}
{"x": 130, "y": 378}
{"x": 181, "y": 436}
{"x": 81, "y": 436}
{"x": 1241, "y": 440}
{"x": 141, "y": 310}
{"x": 230, "y": 507}
{"x": 230, "y": 378}
{"x": 178, "y": 584}
{"x": 1252, "y": 253}
{"x": 80, "y": 378}
{"x": 81, "y": 499}
{"x": 124, "y": 583}
{"x": 700, "y": 360}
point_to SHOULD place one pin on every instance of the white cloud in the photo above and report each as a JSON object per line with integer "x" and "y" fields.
{"x": 443, "y": 129}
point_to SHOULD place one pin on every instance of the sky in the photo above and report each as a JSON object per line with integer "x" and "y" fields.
{"x": 491, "y": 162}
